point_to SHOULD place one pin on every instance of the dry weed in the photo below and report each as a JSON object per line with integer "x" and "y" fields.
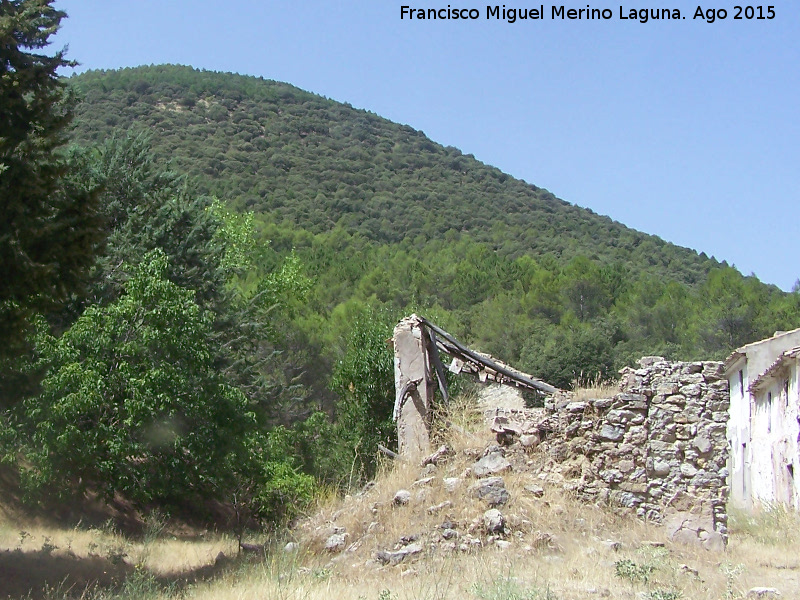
{"x": 594, "y": 389}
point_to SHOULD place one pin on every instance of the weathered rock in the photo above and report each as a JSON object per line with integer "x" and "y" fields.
{"x": 667, "y": 389}
{"x": 336, "y": 542}
{"x": 493, "y": 521}
{"x": 534, "y": 490}
{"x": 493, "y": 449}
{"x": 291, "y": 547}
{"x": 694, "y": 529}
{"x": 649, "y": 361}
{"x": 692, "y": 378}
{"x": 491, "y": 464}
{"x": 611, "y": 433}
{"x": 763, "y": 593}
{"x": 451, "y": 484}
{"x": 491, "y": 490}
{"x": 602, "y": 403}
{"x": 388, "y": 557}
{"x": 676, "y": 399}
{"x": 714, "y": 542}
{"x": 423, "y": 482}
{"x": 442, "y": 453}
{"x": 449, "y": 534}
{"x": 626, "y": 466}
{"x": 438, "y": 507}
{"x": 504, "y": 425}
{"x": 401, "y": 498}
{"x": 661, "y": 468}
{"x": 703, "y": 444}
{"x": 620, "y": 416}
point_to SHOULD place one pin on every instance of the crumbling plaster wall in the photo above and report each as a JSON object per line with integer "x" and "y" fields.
{"x": 775, "y": 432}
{"x": 413, "y": 388}
{"x": 658, "y": 447}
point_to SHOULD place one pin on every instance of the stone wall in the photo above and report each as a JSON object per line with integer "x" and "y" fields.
{"x": 658, "y": 447}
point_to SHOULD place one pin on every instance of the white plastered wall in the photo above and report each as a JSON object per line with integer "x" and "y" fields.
{"x": 739, "y": 434}
{"x": 775, "y": 431}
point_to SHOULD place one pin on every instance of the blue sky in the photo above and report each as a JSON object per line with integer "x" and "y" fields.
{"x": 685, "y": 129}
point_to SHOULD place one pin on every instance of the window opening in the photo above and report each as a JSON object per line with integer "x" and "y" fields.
{"x": 769, "y": 412}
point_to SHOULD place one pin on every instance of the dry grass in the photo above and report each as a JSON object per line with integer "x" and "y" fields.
{"x": 594, "y": 389}
{"x": 559, "y": 548}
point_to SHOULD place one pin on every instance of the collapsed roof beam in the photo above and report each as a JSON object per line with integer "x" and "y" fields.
{"x": 495, "y": 369}
{"x": 417, "y": 344}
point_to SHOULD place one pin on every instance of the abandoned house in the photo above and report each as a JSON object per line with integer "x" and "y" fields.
{"x": 764, "y": 425}
{"x": 763, "y": 417}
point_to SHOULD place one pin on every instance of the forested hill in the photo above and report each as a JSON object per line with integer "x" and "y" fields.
{"x": 277, "y": 150}
{"x": 357, "y": 214}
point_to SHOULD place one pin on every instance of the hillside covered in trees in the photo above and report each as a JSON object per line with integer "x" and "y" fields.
{"x": 279, "y": 151}
{"x": 379, "y": 214}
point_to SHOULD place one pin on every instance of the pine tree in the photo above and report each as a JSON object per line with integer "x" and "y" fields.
{"x": 50, "y": 229}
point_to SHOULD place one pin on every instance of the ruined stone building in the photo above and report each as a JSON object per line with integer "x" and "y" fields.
{"x": 764, "y": 424}
{"x": 676, "y": 444}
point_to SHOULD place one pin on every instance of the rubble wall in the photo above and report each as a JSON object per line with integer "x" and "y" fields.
{"x": 658, "y": 447}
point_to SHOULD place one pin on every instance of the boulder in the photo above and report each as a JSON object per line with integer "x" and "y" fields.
{"x": 401, "y": 498}
{"x": 534, "y": 490}
{"x": 491, "y": 490}
{"x": 493, "y": 521}
{"x": 388, "y": 557}
{"x": 491, "y": 464}
{"x": 336, "y": 542}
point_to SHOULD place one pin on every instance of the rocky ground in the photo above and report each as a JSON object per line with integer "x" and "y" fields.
{"x": 495, "y": 495}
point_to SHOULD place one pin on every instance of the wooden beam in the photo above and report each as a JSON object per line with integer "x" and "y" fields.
{"x": 450, "y": 345}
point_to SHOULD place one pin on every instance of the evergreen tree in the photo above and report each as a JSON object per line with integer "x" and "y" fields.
{"x": 49, "y": 230}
